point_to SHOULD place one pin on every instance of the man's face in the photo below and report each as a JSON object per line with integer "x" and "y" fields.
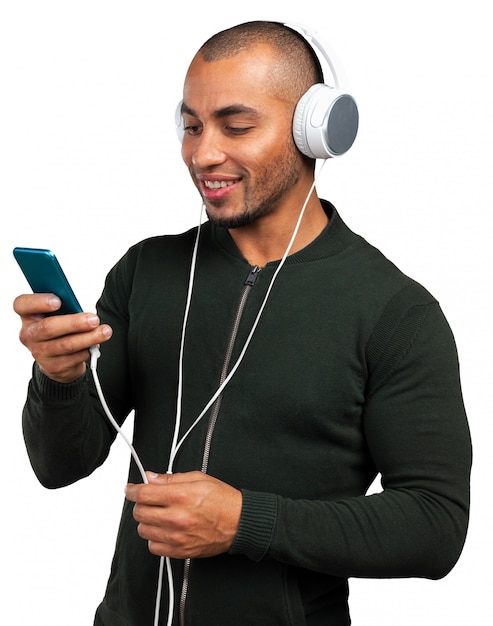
{"x": 238, "y": 142}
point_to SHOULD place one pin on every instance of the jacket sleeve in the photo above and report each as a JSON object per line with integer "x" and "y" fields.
{"x": 66, "y": 439}
{"x": 417, "y": 434}
{"x": 65, "y": 429}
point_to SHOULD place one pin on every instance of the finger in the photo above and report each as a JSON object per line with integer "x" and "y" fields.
{"x": 132, "y": 492}
{"x": 158, "y": 548}
{"x": 179, "y": 477}
{"x": 158, "y": 495}
{"x": 165, "y": 539}
{"x": 148, "y": 495}
{"x": 161, "y": 517}
{"x": 60, "y": 325}
{"x": 64, "y": 334}
{"x": 139, "y": 492}
{"x": 169, "y": 489}
{"x": 158, "y": 479}
{"x": 37, "y": 303}
{"x": 172, "y": 550}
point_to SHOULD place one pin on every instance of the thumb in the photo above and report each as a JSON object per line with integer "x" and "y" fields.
{"x": 179, "y": 477}
{"x": 158, "y": 479}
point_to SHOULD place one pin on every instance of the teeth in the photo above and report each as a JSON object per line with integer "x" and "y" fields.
{"x": 217, "y": 184}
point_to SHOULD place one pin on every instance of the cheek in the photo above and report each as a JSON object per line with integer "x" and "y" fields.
{"x": 267, "y": 151}
{"x": 282, "y": 142}
{"x": 186, "y": 155}
{"x": 279, "y": 153}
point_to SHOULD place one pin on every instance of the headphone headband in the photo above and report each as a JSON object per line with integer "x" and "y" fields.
{"x": 315, "y": 41}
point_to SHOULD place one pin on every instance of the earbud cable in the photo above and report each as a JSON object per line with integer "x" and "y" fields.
{"x": 255, "y": 323}
{"x": 176, "y": 444}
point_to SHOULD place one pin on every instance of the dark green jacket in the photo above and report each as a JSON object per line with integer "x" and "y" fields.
{"x": 352, "y": 371}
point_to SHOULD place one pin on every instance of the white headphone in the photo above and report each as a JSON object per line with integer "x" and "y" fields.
{"x": 326, "y": 118}
{"x": 325, "y": 121}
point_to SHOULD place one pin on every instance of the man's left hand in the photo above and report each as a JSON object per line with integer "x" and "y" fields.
{"x": 186, "y": 515}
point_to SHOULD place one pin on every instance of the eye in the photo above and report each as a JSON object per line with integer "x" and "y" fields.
{"x": 191, "y": 129}
{"x": 238, "y": 130}
{"x": 191, "y": 125}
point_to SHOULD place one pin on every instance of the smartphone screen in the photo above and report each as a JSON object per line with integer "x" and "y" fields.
{"x": 45, "y": 275}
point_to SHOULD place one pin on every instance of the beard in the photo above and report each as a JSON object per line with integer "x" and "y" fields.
{"x": 269, "y": 189}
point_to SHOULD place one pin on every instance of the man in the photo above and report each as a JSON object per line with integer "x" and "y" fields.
{"x": 349, "y": 370}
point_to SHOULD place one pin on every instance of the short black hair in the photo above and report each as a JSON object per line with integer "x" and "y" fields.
{"x": 299, "y": 66}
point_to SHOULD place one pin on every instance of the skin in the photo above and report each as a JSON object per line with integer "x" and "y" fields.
{"x": 186, "y": 515}
{"x": 60, "y": 343}
{"x": 239, "y": 132}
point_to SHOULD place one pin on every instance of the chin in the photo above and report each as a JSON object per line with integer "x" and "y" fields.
{"x": 232, "y": 221}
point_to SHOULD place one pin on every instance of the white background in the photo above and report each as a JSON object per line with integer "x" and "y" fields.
{"x": 90, "y": 164}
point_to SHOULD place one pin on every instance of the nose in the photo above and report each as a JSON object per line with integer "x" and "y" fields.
{"x": 205, "y": 149}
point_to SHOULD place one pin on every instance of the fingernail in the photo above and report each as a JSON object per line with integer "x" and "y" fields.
{"x": 92, "y": 320}
{"x": 107, "y": 331}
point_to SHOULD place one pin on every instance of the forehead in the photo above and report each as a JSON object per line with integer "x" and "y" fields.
{"x": 245, "y": 77}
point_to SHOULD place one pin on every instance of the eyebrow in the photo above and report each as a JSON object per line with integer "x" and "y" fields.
{"x": 232, "y": 109}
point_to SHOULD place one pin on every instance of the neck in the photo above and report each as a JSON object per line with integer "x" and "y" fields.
{"x": 267, "y": 239}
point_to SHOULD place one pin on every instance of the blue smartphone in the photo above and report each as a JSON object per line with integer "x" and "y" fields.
{"x": 45, "y": 275}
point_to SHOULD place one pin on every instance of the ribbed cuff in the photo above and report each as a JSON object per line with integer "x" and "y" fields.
{"x": 52, "y": 391}
{"x": 257, "y": 521}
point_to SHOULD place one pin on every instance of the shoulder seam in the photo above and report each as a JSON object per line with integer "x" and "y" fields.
{"x": 396, "y": 331}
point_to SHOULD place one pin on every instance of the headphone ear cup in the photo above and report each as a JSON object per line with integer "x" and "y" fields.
{"x": 325, "y": 122}
{"x": 180, "y": 128}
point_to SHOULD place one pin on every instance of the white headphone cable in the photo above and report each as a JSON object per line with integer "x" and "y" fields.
{"x": 255, "y": 323}
{"x": 193, "y": 265}
{"x": 176, "y": 445}
{"x": 95, "y": 354}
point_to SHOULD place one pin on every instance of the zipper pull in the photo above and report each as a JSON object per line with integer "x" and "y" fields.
{"x": 252, "y": 276}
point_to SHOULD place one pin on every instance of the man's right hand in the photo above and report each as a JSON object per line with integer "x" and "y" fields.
{"x": 59, "y": 343}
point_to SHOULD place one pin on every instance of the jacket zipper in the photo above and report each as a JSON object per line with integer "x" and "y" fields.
{"x": 249, "y": 283}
